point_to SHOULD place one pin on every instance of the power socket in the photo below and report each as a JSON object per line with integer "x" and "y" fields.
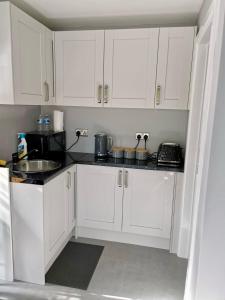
{"x": 142, "y": 135}
{"x": 83, "y": 132}
{"x": 146, "y": 134}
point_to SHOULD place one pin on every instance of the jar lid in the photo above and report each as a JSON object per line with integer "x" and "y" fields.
{"x": 141, "y": 150}
{"x": 117, "y": 149}
{"x": 129, "y": 149}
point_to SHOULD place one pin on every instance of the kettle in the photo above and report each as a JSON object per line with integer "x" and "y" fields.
{"x": 103, "y": 144}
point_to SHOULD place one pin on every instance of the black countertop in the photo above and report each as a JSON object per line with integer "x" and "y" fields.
{"x": 71, "y": 158}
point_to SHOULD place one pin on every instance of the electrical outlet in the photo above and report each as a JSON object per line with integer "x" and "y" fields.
{"x": 83, "y": 132}
{"x": 147, "y": 134}
{"x": 141, "y": 134}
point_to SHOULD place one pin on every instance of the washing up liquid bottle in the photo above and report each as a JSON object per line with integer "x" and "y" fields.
{"x": 22, "y": 145}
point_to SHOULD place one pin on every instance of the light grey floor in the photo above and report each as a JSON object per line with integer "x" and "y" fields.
{"x": 124, "y": 272}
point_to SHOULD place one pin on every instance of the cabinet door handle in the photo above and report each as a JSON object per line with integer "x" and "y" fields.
{"x": 106, "y": 93}
{"x": 53, "y": 70}
{"x": 120, "y": 183}
{"x": 46, "y": 91}
{"x": 68, "y": 180}
{"x": 99, "y": 96}
{"x": 158, "y": 94}
{"x": 126, "y": 179}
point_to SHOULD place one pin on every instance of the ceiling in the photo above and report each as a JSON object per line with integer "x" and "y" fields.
{"x": 58, "y": 9}
{"x": 60, "y": 13}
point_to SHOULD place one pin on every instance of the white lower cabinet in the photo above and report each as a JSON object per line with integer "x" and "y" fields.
{"x": 55, "y": 215}
{"x": 59, "y": 212}
{"x": 99, "y": 195}
{"x": 43, "y": 217}
{"x": 125, "y": 200}
{"x": 147, "y": 202}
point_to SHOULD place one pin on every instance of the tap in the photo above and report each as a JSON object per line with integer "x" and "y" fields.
{"x": 16, "y": 159}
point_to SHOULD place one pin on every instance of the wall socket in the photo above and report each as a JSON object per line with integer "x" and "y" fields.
{"x": 83, "y": 132}
{"x": 142, "y": 134}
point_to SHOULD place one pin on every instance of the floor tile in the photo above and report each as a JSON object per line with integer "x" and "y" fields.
{"x": 124, "y": 272}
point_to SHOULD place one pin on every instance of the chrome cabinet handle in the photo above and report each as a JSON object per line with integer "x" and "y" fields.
{"x": 53, "y": 70}
{"x": 99, "y": 96}
{"x": 126, "y": 179}
{"x": 106, "y": 93}
{"x": 68, "y": 180}
{"x": 158, "y": 94}
{"x": 120, "y": 173}
{"x": 46, "y": 91}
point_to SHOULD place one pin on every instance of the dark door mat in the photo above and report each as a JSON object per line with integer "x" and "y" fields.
{"x": 75, "y": 265}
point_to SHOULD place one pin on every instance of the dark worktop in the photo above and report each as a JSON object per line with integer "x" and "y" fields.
{"x": 71, "y": 158}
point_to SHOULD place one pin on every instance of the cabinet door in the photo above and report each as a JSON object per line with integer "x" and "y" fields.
{"x": 28, "y": 38}
{"x": 79, "y": 67}
{"x": 99, "y": 197}
{"x": 6, "y": 90}
{"x": 71, "y": 194}
{"x": 148, "y": 200}
{"x": 174, "y": 67}
{"x": 130, "y": 67}
{"x": 49, "y": 98}
{"x": 55, "y": 215}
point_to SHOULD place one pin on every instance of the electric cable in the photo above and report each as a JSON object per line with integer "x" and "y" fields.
{"x": 139, "y": 139}
{"x": 78, "y": 137}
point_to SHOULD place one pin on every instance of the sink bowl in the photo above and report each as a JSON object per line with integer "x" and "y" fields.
{"x": 36, "y": 166}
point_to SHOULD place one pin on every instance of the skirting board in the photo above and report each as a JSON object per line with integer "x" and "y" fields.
{"x": 122, "y": 237}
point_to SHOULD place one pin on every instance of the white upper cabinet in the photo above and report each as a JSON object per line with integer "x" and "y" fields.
{"x": 28, "y": 43}
{"x": 148, "y": 201}
{"x": 6, "y": 81}
{"x": 27, "y": 59}
{"x": 130, "y": 67}
{"x": 174, "y": 67}
{"x": 79, "y": 67}
{"x": 125, "y": 68}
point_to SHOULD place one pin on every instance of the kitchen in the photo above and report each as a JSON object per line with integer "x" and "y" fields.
{"x": 116, "y": 111}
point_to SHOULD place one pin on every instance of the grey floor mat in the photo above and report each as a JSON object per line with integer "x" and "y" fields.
{"x": 75, "y": 265}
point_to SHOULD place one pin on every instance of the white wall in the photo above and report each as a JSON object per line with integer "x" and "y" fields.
{"x": 14, "y": 119}
{"x": 122, "y": 124}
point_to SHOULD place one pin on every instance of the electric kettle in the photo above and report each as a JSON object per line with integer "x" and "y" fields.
{"x": 103, "y": 144}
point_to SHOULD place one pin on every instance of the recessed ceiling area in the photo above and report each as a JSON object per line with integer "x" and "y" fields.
{"x": 58, "y": 9}
{"x": 113, "y": 13}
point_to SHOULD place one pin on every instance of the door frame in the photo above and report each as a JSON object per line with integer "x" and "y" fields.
{"x": 215, "y": 20}
{"x": 197, "y": 100}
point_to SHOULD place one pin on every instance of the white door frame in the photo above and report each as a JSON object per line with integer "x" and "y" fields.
{"x": 200, "y": 67}
{"x": 216, "y": 22}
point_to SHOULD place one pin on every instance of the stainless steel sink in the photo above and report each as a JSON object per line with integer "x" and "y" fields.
{"x": 36, "y": 166}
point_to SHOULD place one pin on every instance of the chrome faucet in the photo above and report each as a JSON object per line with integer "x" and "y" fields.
{"x": 16, "y": 158}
